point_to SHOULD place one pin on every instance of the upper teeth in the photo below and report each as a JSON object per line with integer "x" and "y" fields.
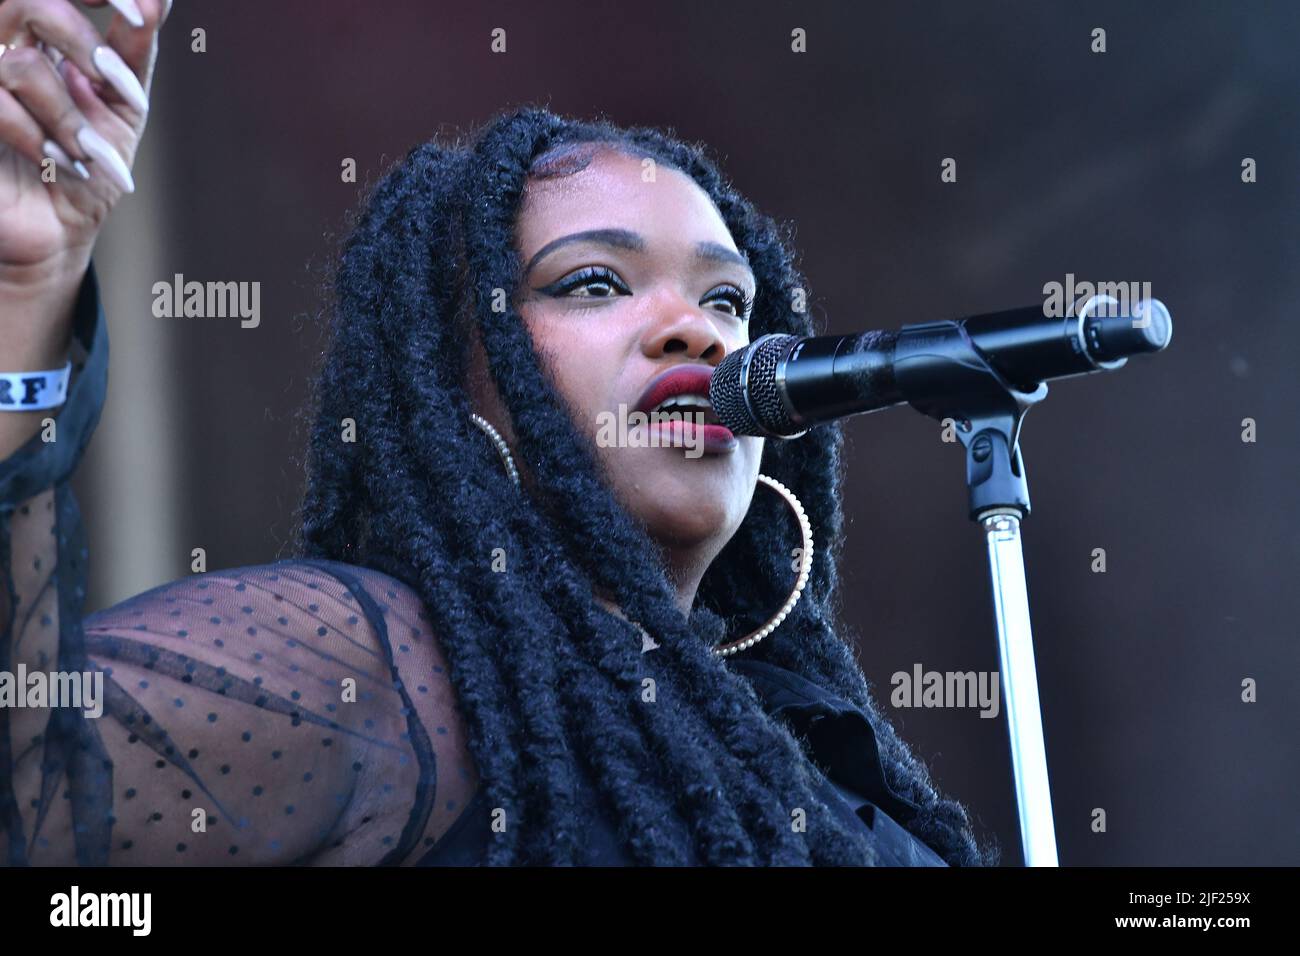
{"x": 691, "y": 401}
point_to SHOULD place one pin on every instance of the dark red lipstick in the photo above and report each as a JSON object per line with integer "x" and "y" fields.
{"x": 715, "y": 438}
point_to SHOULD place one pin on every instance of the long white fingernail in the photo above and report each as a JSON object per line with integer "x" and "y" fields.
{"x": 115, "y": 70}
{"x": 129, "y": 10}
{"x": 103, "y": 153}
{"x": 63, "y": 160}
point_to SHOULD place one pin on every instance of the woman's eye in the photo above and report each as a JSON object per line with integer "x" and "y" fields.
{"x": 740, "y": 303}
{"x": 594, "y": 283}
{"x": 597, "y": 288}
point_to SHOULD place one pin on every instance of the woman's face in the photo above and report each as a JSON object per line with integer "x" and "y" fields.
{"x": 655, "y": 284}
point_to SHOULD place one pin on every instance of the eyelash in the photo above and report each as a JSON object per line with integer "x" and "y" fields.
{"x": 592, "y": 274}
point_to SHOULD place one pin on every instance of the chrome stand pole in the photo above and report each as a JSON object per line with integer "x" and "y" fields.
{"x": 1020, "y": 685}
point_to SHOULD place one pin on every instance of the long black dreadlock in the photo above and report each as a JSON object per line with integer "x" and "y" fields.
{"x": 544, "y": 676}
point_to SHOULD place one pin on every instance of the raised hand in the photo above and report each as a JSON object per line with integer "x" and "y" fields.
{"x": 69, "y": 95}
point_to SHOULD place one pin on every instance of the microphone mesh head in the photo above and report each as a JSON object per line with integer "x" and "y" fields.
{"x": 764, "y": 413}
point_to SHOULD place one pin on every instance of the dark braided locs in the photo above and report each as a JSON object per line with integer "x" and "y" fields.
{"x": 550, "y": 684}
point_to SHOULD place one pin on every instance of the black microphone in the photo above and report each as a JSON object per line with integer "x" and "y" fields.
{"x": 780, "y": 385}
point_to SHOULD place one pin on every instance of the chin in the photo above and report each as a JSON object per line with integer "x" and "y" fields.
{"x": 685, "y": 518}
{"x": 682, "y": 502}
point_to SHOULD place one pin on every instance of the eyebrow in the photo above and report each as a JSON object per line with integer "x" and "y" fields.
{"x": 634, "y": 242}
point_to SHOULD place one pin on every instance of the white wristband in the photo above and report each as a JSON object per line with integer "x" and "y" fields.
{"x": 31, "y": 391}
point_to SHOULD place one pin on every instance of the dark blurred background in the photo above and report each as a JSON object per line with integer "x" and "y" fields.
{"x": 1115, "y": 166}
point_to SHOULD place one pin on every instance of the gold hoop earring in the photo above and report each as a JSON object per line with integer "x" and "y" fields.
{"x": 805, "y": 567}
{"x": 502, "y": 448}
{"x": 805, "y": 551}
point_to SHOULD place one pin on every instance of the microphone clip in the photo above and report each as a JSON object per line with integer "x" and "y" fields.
{"x": 986, "y": 409}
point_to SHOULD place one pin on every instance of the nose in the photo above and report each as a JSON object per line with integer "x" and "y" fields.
{"x": 681, "y": 326}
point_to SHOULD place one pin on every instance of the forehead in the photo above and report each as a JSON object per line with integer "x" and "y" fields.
{"x": 612, "y": 192}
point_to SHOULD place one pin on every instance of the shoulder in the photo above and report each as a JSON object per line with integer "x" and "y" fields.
{"x": 423, "y": 693}
{"x": 349, "y": 648}
{"x": 300, "y": 595}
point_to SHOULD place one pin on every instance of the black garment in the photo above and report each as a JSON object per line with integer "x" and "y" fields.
{"x": 841, "y": 741}
{"x": 293, "y": 712}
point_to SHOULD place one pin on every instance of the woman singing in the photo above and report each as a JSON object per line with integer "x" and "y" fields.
{"x": 505, "y": 637}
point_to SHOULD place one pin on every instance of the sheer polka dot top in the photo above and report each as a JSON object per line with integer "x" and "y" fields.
{"x": 294, "y": 712}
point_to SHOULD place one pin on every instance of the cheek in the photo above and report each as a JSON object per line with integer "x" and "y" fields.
{"x": 582, "y": 364}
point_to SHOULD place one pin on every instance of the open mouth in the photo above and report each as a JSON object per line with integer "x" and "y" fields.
{"x": 688, "y": 407}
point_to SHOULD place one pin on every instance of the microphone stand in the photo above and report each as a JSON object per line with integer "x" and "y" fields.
{"x": 930, "y": 359}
